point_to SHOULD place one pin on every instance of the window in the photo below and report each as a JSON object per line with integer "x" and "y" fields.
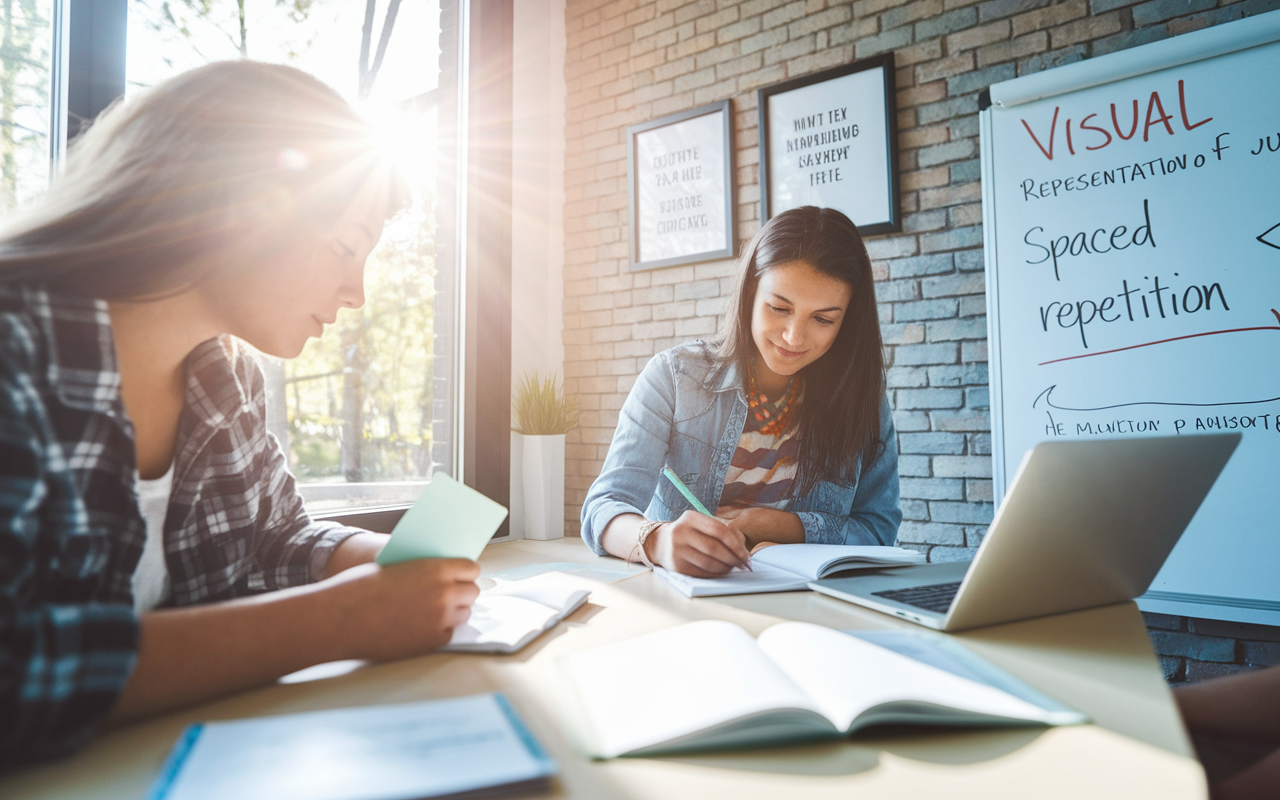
{"x": 26, "y": 46}
{"x": 366, "y": 413}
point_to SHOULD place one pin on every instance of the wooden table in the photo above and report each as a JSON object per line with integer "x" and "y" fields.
{"x": 1099, "y": 661}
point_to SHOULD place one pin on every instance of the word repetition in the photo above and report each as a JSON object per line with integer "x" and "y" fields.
{"x": 1139, "y": 304}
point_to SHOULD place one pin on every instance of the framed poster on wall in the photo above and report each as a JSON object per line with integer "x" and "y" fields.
{"x": 680, "y": 174}
{"x": 830, "y": 140}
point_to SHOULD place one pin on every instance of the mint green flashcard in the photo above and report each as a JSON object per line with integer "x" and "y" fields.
{"x": 449, "y": 520}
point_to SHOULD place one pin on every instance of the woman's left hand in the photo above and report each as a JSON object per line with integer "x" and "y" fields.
{"x": 764, "y": 525}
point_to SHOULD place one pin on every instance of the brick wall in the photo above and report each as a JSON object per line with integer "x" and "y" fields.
{"x": 1194, "y": 649}
{"x": 629, "y": 61}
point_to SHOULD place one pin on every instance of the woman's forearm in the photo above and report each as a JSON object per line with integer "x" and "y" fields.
{"x": 188, "y": 655}
{"x": 191, "y": 654}
{"x": 761, "y": 525}
{"x": 360, "y": 548}
{"x": 621, "y": 535}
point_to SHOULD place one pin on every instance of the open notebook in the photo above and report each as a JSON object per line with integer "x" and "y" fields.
{"x": 708, "y": 684}
{"x": 510, "y": 615}
{"x": 790, "y": 567}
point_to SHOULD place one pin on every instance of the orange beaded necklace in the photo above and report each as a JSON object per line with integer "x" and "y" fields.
{"x": 773, "y": 418}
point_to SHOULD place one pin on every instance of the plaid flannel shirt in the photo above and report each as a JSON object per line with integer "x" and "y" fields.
{"x": 71, "y": 534}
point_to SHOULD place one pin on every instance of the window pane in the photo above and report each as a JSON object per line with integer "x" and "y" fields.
{"x": 360, "y": 410}
{"x": 25, "y": 44}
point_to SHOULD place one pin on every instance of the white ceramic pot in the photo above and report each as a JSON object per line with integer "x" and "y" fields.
{"x": 543, "y": 478}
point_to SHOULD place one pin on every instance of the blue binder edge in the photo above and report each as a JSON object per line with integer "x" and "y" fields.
{"x": 526, "y": 736}
{"x": 173, "y": 764}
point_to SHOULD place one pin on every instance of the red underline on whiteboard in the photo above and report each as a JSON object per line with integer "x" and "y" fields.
{"x": 1162, "y": 341}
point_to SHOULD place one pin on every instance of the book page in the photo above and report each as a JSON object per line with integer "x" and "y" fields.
{"x": 814, "y": 560}
{"x": 948, "y": 655}
{"x": 664, "y": 686}
{"x": 846, "y": 676}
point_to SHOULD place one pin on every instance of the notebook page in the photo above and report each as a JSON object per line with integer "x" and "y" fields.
{"x": 761, "y": 578}
{"x": 659, "y": 687}
{"x": 407, "y": 750}
{"x": 810, "y": 560}
{"x": 846, "y": 676}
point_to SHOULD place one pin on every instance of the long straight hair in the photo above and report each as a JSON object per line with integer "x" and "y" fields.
{"x": 222, "y": 163}
{"x": 839, "y": 421}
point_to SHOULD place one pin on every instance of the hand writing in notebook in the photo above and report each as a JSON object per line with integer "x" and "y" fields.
{"x": 698, "y": 545}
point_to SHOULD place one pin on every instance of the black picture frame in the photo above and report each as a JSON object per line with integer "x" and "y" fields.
{"x": 646, "y": 250}
{"x": 846, "y": 197}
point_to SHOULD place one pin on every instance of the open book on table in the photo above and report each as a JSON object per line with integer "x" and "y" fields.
{"x": 508, "y": 616}
{"x": 708, "y": 684}
{"x": 790, "y": 567}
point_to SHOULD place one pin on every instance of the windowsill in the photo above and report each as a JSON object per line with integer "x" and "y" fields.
{"x": 326, "y": 499}
{"x": 379, "y": 519}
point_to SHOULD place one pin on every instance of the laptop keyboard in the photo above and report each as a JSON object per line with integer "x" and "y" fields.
{"x": 937, "y": 597}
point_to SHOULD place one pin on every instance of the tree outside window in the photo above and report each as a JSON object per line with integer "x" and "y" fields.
{"x": 356, "y": 407}
{"x": 25, "y": 45}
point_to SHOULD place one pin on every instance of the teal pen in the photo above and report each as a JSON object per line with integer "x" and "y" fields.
{"x": 688, "y": 495}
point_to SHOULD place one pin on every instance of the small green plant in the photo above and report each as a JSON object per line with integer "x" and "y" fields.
{"x": 540, "y": 407}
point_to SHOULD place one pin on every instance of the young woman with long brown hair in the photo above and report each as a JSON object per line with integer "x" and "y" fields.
{"x": 781, "y": 425}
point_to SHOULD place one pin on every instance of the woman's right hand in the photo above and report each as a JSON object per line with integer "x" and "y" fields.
{"x": 697, "y": 545}
{"x": 402, "y": 610}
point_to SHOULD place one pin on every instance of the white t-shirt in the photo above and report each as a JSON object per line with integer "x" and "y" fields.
{"x": 151, "y": 578}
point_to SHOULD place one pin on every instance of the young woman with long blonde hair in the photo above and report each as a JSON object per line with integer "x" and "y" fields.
{"x": 154, "y": 550}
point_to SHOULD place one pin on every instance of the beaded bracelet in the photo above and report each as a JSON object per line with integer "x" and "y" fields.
{"x": 647, "y": 528}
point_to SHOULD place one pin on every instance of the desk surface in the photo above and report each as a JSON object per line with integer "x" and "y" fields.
{"x": 1099, "y": 661}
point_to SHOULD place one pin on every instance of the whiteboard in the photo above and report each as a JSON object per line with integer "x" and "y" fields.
{"x": 1131, "y": 211}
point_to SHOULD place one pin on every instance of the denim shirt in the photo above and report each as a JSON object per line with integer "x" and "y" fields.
{"x": 687, "y": 412}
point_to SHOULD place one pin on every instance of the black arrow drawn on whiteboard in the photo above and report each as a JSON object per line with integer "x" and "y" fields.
{"x": 1274, "y": 229}
{"x": 1047, "y": 396}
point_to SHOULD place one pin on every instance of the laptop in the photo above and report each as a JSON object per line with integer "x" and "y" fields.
{"x": 1084, "y": 524}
